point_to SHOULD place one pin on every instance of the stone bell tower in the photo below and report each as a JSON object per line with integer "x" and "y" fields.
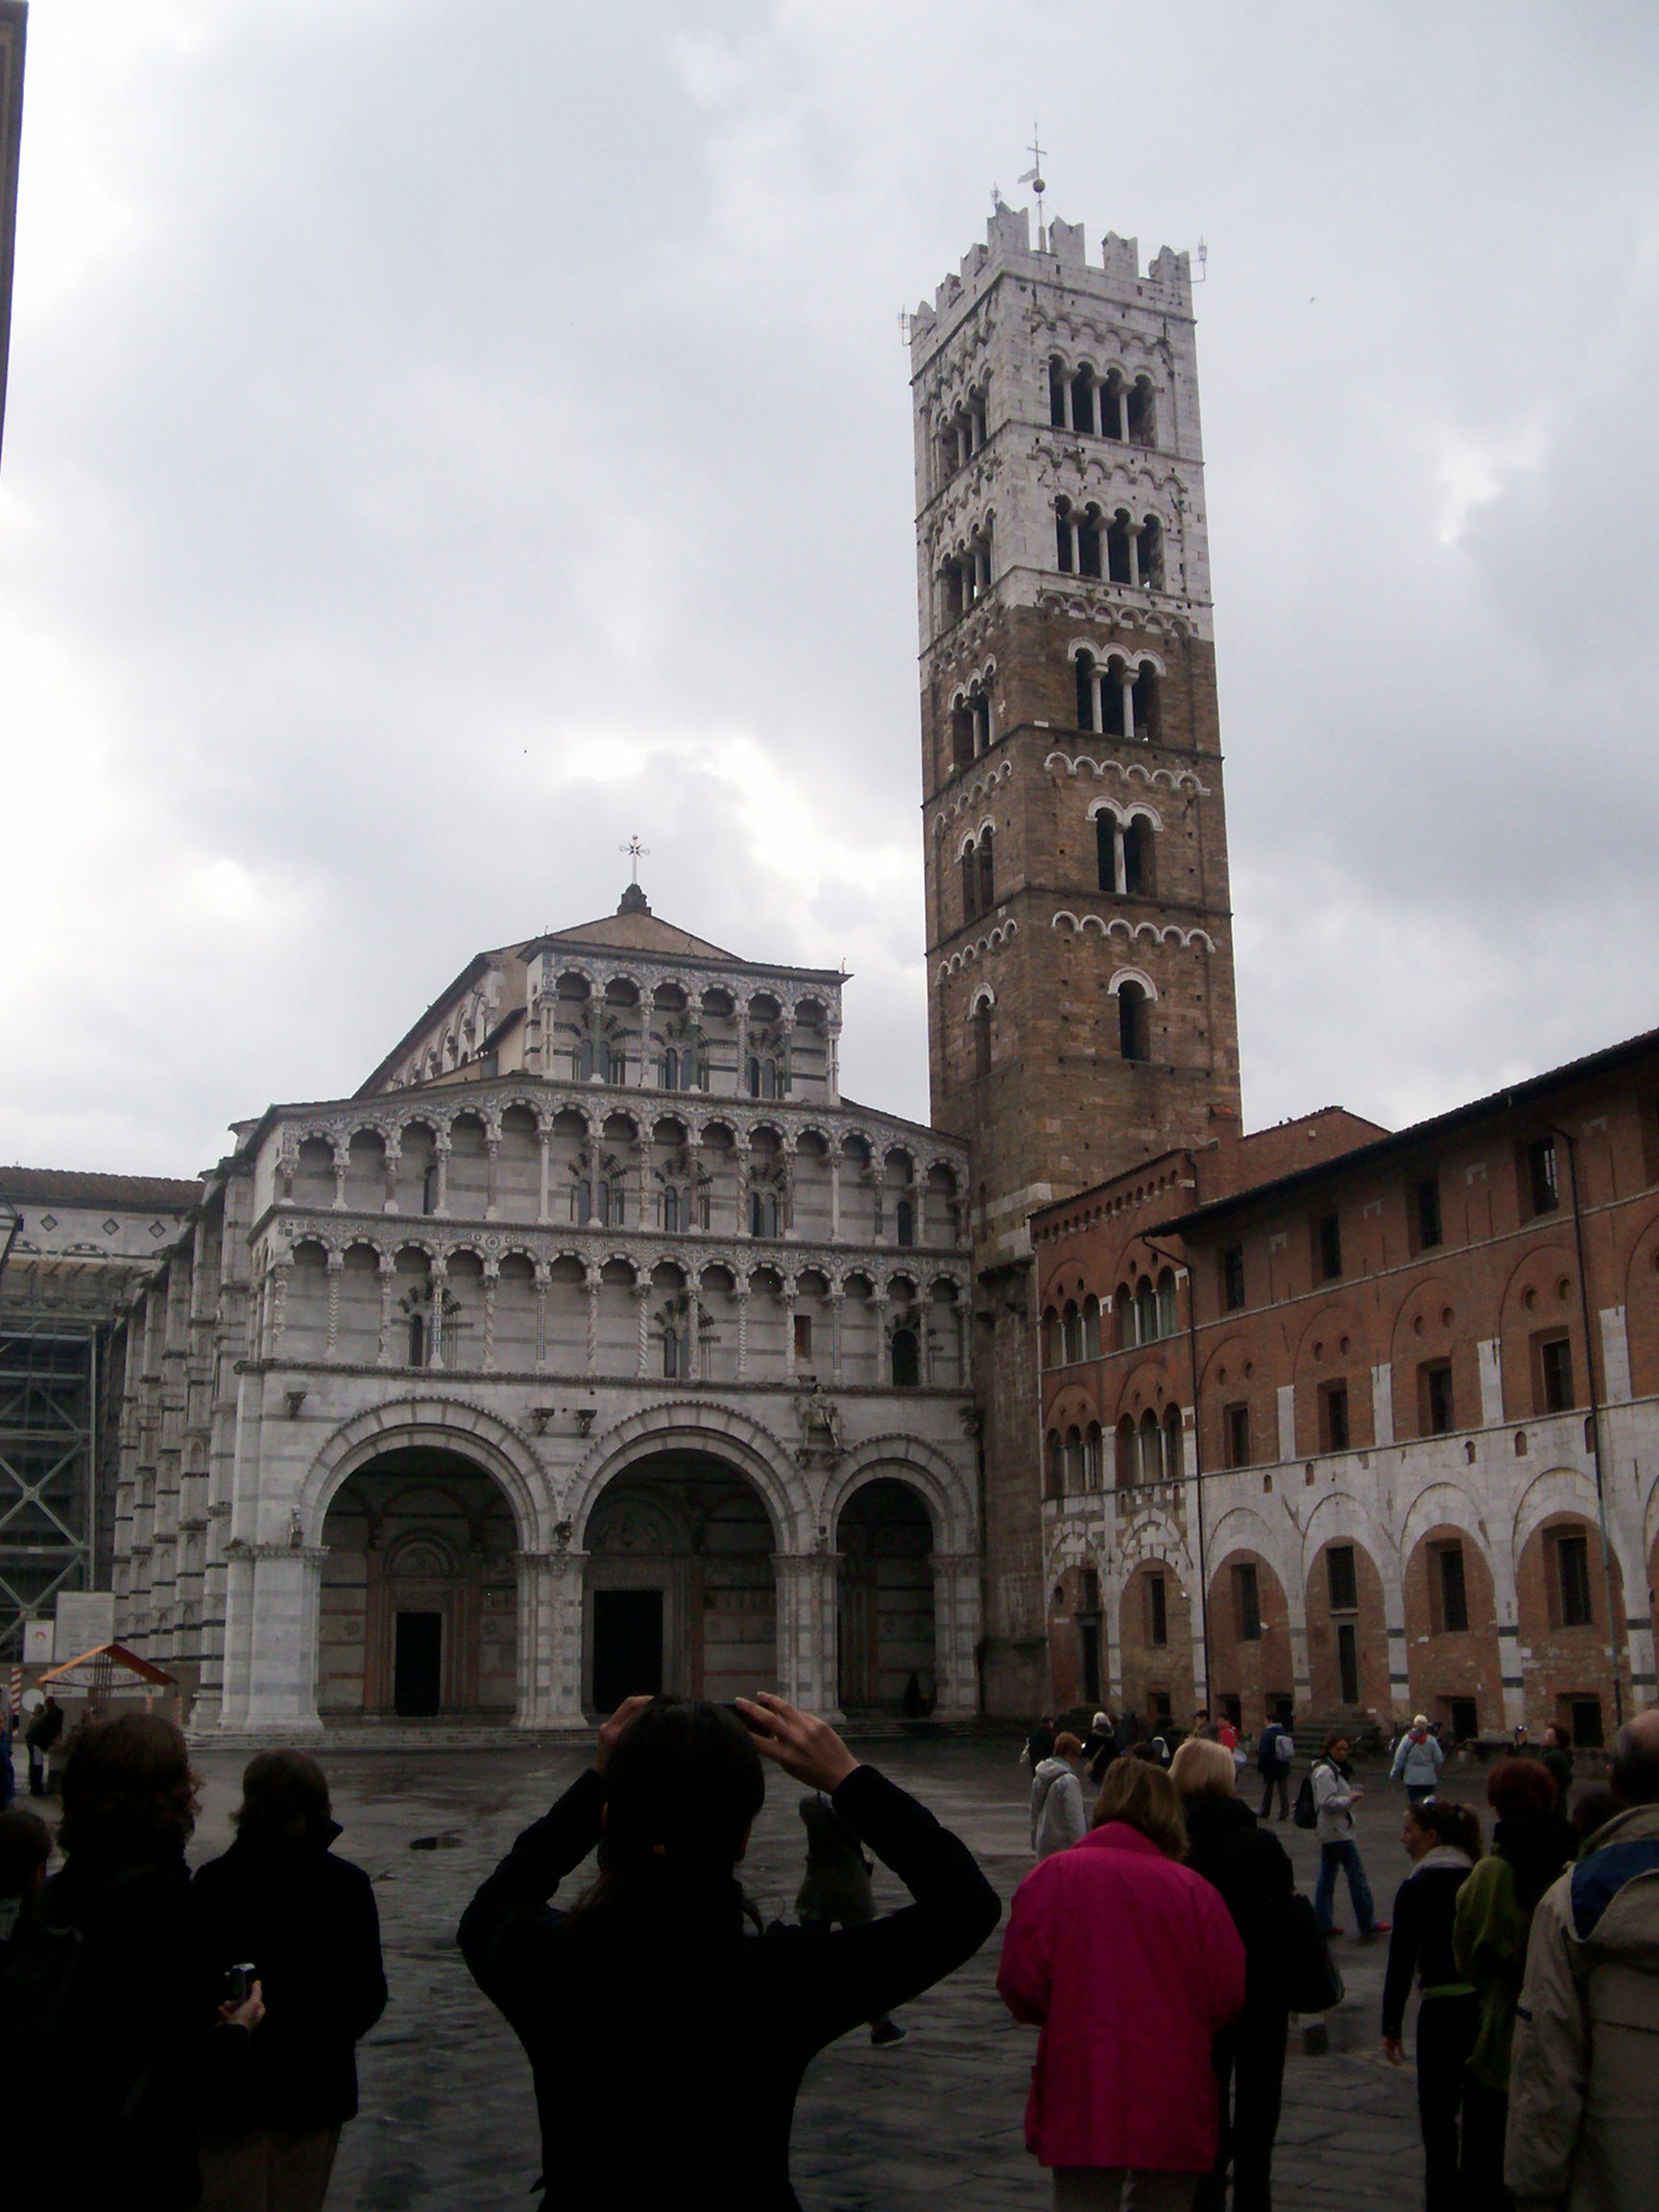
{"x": 1081, "y": 1002}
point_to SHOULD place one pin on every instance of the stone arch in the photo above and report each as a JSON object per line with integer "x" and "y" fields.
{"x": 1348, "y": 1659}
{"x": 941, "y": 1486}
{"x": 689, "y": 1425}
{"x": 1247, "y": 1613}
{"x": 444, "y": 1425}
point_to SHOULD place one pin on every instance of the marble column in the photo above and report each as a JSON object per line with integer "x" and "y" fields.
{"x": 807, "y": 1590}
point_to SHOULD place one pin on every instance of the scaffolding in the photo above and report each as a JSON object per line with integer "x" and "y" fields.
{"x": 60, "y": 1387}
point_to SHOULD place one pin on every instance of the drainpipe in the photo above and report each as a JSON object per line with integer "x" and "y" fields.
{"x": 1566, "y": 1138}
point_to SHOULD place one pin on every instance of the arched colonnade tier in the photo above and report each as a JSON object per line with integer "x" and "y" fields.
{"x": 593, "y": 1307}
{"x": 629, "y": 1023}
{"x": 542, "y": 1160}
{"x": 1483, "y": 1620}
{"x": 427, "y": 1567}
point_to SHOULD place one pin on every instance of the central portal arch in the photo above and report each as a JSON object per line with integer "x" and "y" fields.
{"x": 680, "y": 1587}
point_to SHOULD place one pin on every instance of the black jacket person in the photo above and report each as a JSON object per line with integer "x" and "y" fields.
{"x": 667, "y": 2042}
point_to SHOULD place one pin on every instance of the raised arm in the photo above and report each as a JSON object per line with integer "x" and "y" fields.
{"x": 857, "y": 1973}
{"x": 513, "y": 1899}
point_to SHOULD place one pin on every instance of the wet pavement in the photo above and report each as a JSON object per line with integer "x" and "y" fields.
{"x": 448, "y": 2120}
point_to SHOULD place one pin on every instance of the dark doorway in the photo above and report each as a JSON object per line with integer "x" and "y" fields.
{"x": 627, "y": 1645}
{"x": 418, "y": 1665}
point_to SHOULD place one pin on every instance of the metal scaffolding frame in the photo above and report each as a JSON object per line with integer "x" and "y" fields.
{"x": 59, "y": 1315}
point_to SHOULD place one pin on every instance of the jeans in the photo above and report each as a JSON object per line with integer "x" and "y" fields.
{"x": 1445, "y": 2030}
{"x": 1279, "y": 1779}
{"x": 1417, "y": 1792}
{"x": 1345, "y": 1853}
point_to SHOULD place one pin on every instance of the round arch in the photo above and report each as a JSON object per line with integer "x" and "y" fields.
{"x": 941, "y": 1486}
{"x": 444, "y": 1424}
{"x": 689, "y": 1426}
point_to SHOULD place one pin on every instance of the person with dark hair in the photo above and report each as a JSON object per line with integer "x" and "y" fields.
{"x": 1275, "y": 1754}
{"x": 1252, "y": 1872}
{"x": 1583, "y": 2114}
{"x": 280, "y": 1901}
{"x": 650, "y": 2000}
{"x": 25, "y": 1848}
{"x": 1336, "y": 1797}
{"x": 1039, "y": 1743}
{"x": 1443, "y": 1842}
{"x": 38, "y": 1737}
{"x": 1557, "y": 1756}
{"x": 1531, "y": 1842}
{"x": 1130, "y": 1964}
{"x": 143, "y": 2002}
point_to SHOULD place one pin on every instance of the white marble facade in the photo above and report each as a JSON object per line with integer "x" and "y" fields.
{"x": 596, "y": 1334}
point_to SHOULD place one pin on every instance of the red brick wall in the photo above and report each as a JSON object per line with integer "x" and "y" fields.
{"x": 1259, "y": 1672}
{"x": 1145, "y": 1667}
{"x": 1443, "y": 1665}
{"x": 1325, "y": 1691}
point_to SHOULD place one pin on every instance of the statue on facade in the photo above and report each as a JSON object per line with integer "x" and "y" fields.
{"x": 820, "y": 1425}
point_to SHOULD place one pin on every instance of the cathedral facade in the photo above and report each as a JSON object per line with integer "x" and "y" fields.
{"x": 597, "y": 1344}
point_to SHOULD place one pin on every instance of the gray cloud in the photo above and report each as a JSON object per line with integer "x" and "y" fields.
{"x": 437, "y": 449}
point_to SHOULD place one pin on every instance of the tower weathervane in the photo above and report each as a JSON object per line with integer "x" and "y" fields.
{"x": 635, "y": 852}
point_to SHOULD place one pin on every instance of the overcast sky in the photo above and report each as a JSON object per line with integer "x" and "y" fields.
{"x": 444, "y": 441}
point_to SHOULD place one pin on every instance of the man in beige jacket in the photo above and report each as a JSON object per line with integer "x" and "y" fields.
{"x": 1584, "y": 2084}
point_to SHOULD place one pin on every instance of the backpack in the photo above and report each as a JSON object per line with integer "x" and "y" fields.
{"x": 1284, "y": 1747}
{"x": 1305, "y": 1814}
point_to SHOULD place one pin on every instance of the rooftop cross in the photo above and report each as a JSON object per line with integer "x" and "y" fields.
{"x": 1034, "y": 178}
{"x": 635, "y": 852}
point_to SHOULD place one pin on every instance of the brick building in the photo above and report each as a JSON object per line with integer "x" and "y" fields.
{"x": 1363, "y": 1423}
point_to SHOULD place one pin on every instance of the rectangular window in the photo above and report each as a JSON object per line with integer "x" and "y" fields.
{"x": 1572, "y": 1607}
{"x": 1342, "y": 1582}
{"x": 1088, "y": 1654}
{"x": 1233, "y": 1278}
{"x": 1247, "y": 1602}
{"x": 1236, "y": 1434}
{"x": 1334, "y": 1429}
{"x": 1157, "y": 1610}
{"x": 1328, "y": 1247}
{"x": 1543, "y": 1181}
{"x": 1452, "y": 1613}
{"x": 1426, "y": 1213}
{"x": 802, "y": 1335}
{"x": 1553, "y": 1374}
{"x": 1435, "y": 1408}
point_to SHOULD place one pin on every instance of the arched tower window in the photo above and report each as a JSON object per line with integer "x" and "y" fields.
{"x": 979, "y": 1021}
{"x": 1166, "y": 1310}
{"x": 1134, "y": 1028}
{"x": 1056, "y": 395}
{"x": 1145, "y": 704}
{"x": 1140, "y": 411}
{"x": 906, "y": 1358}
{"x": 987, "y": 860}
{"x": 1083, "y": 401}
{"x": 904, "y": 1222}
{"x": 1145, "y": 1313}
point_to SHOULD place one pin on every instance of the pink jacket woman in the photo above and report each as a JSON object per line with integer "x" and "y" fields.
{"x": 1130, "y": 1964}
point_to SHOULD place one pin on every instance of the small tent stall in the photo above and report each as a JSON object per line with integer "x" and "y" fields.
{"x": 108, "y": 1676}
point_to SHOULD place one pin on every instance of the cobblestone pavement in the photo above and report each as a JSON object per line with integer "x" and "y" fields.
{"x": 448, "y": 2118}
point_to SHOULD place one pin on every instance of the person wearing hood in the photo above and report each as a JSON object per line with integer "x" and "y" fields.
{"x": 1443, "y": 1842}
{"x": 1417, "y": 1760}
{"x": 281, "y": 1902}
{"x": 1531, "y": 1842}
{"x": 1057, "y": 1816}
{"x": 1583, "y": 2115}
{"x": 1252, "y": 1871}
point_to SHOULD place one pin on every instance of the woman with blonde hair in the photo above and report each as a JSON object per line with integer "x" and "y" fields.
{"x": 1252, "y": 1873}
{"x": 1130, "y": 1964}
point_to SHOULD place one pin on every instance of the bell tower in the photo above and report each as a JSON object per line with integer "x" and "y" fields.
{"x": 1080, "y": 994}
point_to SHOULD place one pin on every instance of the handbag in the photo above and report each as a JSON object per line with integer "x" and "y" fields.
{"x": 1310, "y": 1982}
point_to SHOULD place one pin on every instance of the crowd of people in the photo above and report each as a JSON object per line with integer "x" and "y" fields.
{"x": 181, "y": 2040}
